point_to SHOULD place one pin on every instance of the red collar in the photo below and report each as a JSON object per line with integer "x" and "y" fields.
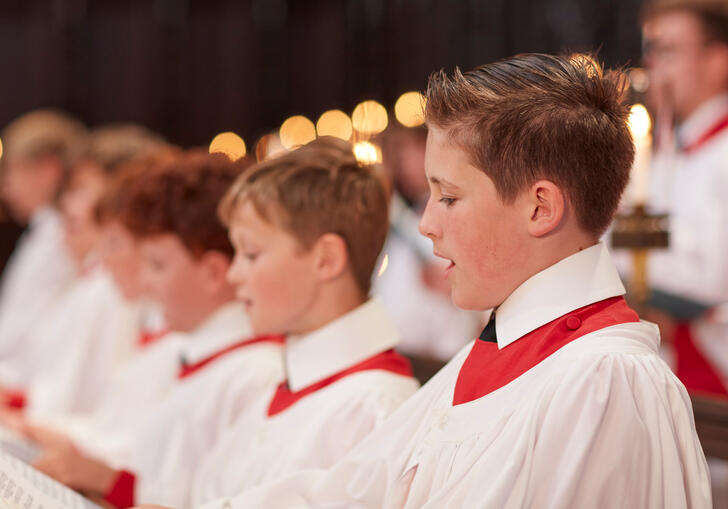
{"x": 388, "y": 361}
{"x": 189, "y": 369}
{"x": 487, "y": 368}
{"x": 146, "y": 338}
{"x": 718, "y": 127}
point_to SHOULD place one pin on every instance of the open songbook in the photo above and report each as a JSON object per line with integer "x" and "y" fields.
{"x": 24, "y": 487}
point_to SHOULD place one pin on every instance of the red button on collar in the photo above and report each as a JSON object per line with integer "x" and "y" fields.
{"x": 573, "y": 322}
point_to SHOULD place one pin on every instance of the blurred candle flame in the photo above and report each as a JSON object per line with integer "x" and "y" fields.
{"x": 228, "y": 143}
{"x": 383, "y": 266}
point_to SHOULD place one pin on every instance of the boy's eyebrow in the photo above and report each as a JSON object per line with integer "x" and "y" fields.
{"x": 442, "y": 182}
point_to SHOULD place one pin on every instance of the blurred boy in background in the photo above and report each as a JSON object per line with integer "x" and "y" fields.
{"x": 72, "y": 352}
{"x": 37, "y": 156}
{"x": 221, "y": 366}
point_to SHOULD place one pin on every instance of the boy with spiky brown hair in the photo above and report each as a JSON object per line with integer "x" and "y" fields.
{"x": 562, "y": 401}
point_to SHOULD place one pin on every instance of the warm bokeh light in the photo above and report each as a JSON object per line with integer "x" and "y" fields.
{"x": 409, "y": 109}
{"x": 639, "y": 121}
{"x": 334, "y": 123}
{"x": 369, "y": 117}
{"x": 228, "y": 143}
{"x": 268, "y": 146}
{"x": 1, "y": 148}
{"x": 383, "y": 267}
{"x": 367, "y": 153}
{"x": 639, "y": 79}
{"x": 297, "y": 131}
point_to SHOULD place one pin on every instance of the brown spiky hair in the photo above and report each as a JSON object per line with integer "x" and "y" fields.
{"x": 536, "y": 116}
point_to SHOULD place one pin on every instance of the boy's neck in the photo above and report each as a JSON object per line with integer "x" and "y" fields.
{"x": 212, "y": 306}
{"x": 332, "y": 302}
{"x": 550, "y": 251}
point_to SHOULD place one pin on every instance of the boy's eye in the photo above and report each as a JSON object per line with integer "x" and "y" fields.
{"x": 447, "y": 201}
{"x": 251, "y": 257}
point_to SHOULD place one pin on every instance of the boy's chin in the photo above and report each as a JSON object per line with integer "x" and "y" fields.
{"x": 470, "y": 302}
{"x": 463, "y": 301}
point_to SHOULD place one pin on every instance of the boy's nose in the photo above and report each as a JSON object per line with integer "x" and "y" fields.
{"x": 427, "y": 225}
{"x": 233, "y": 275}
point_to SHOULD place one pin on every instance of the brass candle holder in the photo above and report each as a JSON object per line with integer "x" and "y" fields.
{"x": 640, "y": 232}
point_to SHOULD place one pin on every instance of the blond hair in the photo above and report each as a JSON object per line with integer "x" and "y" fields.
{"x": 41, "y": 133}
{"x": 317, "y": 189}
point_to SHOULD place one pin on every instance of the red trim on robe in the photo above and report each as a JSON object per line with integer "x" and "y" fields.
{"x": 387, "y": 361}
{"x": 16, "y": 399}
{"x": 487, "y": 368}
{"x": 187, "y": 370}
{"x": 692, "y": 367}
{"x": 121, "y": 493}
{"x": 718, "y": 127}
{"x": 146, "y": 338}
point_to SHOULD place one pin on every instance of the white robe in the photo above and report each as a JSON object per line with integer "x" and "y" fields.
{"x": 602, "y": 422}
{"x": 320, "y": 428}
{"x": 38, "y": 272}
{"x": 134, "y": 396}
{"x": 89, "y": 335}
{"x": 692, "y": 188}
{"x": 200, "y": 407}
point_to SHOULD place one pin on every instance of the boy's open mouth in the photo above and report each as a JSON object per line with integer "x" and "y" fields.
{"x": 449, "y": 268}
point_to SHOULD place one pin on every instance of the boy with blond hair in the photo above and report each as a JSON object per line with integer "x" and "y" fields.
{"x": 307, "y": 228}
{"x": 38, "y": 154}
{"x": 219, "y": 367}
{"x": 563, "y": 400}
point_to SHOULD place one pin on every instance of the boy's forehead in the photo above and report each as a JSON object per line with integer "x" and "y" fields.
{"x": 245, "y": 213}
{"x": 446, "y": 163}
{"x": 246, "y": 220}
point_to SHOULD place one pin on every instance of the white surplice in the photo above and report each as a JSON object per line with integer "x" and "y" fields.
{"x": 203, "y": 405}
{"x": 38, "y": 272}
{"x": 86, "y": 338}
{"x": 321, "y": 427}
{"x": 602, "y": 422}
{"x": 692, "y": 187}
{"x": 134, "y": 396}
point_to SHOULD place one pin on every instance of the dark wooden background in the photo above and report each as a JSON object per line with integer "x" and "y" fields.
{"x": 192, "y": 68}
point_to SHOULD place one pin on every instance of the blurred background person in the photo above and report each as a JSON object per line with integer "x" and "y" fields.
{"x": 37, "y": 156}
{"x": 686, "y": 52}
{"x": 72, "y": 351}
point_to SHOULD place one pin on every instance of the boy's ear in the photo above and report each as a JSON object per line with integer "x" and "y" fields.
{"x": 331, "y": 256}
{"x": 216, "y": 266}
{"x": 546, "y": 205}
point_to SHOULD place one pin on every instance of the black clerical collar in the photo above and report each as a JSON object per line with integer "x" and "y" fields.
{"x": 488, "y": 333}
